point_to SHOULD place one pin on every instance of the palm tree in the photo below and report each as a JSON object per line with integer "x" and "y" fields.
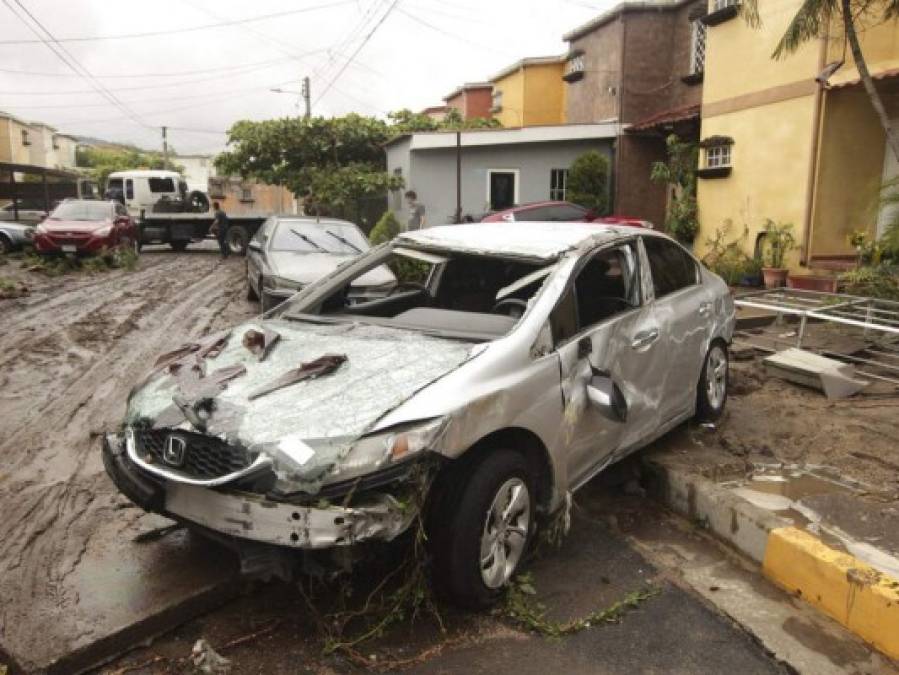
{"x": 813, "y": 20}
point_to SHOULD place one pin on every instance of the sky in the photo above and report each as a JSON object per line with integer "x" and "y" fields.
{"x": 173, "y": 63}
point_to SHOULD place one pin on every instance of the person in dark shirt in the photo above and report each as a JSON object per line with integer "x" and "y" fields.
{"x": 220, "y": 229}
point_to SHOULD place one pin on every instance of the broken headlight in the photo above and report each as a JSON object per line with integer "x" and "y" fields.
{"x": 371, "y": 453}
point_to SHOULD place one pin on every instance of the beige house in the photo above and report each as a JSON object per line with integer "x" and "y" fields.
{"x": 237, "y": 196}
{"x": 35, "y": 143}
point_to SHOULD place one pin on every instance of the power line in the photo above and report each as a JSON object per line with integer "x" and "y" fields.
{"x": 182, "y": 73}
{"x": 168, "y": 85}
{"x": 66, "y": 57}
{"x": 337, "y": 51}
{"x": 455, "y": 36}
{"x": 357, "y": 50}
{"x": 189, "y": 29}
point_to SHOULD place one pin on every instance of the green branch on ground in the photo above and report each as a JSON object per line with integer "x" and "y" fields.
{"x": 522, "y": 607}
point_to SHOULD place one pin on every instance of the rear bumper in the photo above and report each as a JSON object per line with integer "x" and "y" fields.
{"x": 243, "y": 515}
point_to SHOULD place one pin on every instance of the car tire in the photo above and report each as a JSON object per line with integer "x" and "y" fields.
{"x": 5, "y": 245}
{"x": 476, "y": 548}
{"x": 178, "y": 245}
{"x": 237, "y": 239}
{"x": 711, "y": 394}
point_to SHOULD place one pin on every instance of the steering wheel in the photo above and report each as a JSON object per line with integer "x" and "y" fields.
{"x": 513, "y": 307}
{"x": 408, "y": 285}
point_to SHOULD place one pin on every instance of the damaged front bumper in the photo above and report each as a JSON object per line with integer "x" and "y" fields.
{"x": 371, "y": 516}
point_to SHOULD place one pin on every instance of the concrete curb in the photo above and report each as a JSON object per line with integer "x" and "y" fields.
{"x": 861, "y": 598}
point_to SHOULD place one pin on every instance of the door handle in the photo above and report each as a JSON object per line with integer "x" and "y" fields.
{"x": 705, "y": 308}
{"x": 645, "y": 338}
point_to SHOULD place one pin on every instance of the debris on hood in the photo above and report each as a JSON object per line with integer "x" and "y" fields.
{"x": 261, "y": 342}
{"x": 307, "y": 371}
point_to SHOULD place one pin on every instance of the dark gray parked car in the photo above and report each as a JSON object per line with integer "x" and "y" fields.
{"x": 14, "y": 236}
{"x": 289, "y": 252}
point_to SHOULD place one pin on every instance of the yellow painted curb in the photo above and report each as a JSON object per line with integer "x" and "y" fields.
{"x": 860, "y": 597}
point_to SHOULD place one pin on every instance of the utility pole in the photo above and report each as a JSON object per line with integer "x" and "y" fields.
{"x": 307, "y": 96}
{"x": 165, "y": 148}
{"x": 458, "y": 218}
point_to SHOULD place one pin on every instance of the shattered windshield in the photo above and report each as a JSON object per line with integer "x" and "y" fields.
{"x": 446, "y": 293}
{"x": 308, "y": 237}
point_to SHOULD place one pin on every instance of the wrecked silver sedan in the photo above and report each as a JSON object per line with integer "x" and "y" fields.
{"x": 504, "y": 370}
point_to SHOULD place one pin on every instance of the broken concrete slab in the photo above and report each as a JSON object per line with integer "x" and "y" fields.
{"x": 119, "y": 593}
{"x": 835, "y": 378}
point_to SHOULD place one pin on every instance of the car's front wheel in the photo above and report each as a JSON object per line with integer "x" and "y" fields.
{"x": 483, "y": 528}
{"x": 711, "y": 394}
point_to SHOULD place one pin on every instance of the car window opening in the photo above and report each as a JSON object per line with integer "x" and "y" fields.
{"x": 448, "y": 293}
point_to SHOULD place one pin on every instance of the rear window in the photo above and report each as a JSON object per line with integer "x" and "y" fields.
{"x": 161, "y": 184}
{"x": 552, "y": 213}
{"x": 672, "y": 269}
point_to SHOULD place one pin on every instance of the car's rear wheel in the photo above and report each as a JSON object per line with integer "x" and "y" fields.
{"x": 5, "y": 245}
{"x": 711, "y": 394}
{"x": 237, "y": 239}
{"x": 481, "y": 528}
{"x": 179, "y": 245}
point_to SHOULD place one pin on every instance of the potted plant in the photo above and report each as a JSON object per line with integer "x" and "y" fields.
{"x": 777, "y": 243}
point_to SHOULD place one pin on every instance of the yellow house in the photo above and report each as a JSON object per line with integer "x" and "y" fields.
{"x": 795, "y": 140}
{"x": 529, "y": 92}
{"x": 16, "y": 140}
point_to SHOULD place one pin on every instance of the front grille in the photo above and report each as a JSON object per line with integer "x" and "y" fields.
{"x": 204, "y": 457}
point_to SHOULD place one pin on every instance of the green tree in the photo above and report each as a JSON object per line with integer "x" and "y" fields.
{"x": 815, "y": 18}
{"x": 679, "y": 171}
{"x": 100, "y": 162}
{"x": 335, "y": 163}
{"x": 588, "y": 182}
{"x": 405, "y": 121}
{"x": 385, "y": 229}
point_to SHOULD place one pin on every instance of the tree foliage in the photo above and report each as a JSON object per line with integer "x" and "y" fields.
{"x": 100, "y": 162}
{"x": 681, "y": 220}
{"x": 588, "y": 182}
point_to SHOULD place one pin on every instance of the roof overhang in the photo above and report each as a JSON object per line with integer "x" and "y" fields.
{"x": 435, "y": 140}
{"x": 468, "y": 86}
{"x": 666, "y": 119}
{"x": 619, "y": 9}
{"x": 891, "y": 74}
{"x": 528, "y": 61}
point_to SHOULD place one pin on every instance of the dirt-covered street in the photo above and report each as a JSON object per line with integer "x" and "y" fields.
{"x": 70, "y": 351}
{"x": 71, "y": 569}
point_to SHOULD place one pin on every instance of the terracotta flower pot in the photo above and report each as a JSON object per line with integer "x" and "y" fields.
{"x": 812, "y": 282}
{"x": 775, "y": 277}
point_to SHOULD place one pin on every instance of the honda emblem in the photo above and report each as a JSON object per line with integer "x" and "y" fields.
{"x": 174, "y": 451}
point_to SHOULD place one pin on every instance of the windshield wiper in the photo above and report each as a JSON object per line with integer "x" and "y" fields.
{"x": 308, "y": 241}
{"x": 343, "y": 240}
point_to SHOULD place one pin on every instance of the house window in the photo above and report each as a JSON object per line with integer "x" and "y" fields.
{"x": 497, "y": 100}
{"x": 723, "y": 4}
{"x": 246, "y": 194}
{"x": 717, "y": 156}
{"x": 25, "y": 139}
{"x": 55, "y": 143}
{"x": 697, "y": 47}
{"x": 574, "y": 67}
{"x": 558, "y": 184}
{"x": 217, "y": 188}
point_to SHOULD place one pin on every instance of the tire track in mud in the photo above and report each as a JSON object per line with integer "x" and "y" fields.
{"x": 71, "y": 380}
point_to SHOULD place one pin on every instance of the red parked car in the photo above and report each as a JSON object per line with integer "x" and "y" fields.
{"x": 84, "y": 226}
{"x": 556, "y": 211}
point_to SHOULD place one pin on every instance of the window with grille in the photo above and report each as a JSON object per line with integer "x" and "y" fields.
{"x": 558, "y": 184}
{"x": 717, "y": 156}
{"x": 497, "y": 100}
{"x": 25, "y": 139}
{"x": 697, "y": 47}
{"x": 721, "y": 4}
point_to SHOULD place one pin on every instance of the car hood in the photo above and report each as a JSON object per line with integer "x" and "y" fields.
{"x": 304, "y": 268}
{"x": 383, "y": 368}
{"x": 74, "y": 225}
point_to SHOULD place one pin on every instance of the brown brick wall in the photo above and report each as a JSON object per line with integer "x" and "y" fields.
{"x": 589, "y": 99}
{"x": 635, "y": 194}
{"x": 477, "y": 103}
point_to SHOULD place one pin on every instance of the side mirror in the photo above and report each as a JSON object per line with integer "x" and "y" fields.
{"x": 254, "y": 246}
{"x": 606, "y": 397}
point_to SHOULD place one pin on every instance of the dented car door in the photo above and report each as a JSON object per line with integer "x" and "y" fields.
{"x": 606, "y": 359}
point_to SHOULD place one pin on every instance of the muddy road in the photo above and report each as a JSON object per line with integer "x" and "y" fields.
{"x": 70, "y": 351}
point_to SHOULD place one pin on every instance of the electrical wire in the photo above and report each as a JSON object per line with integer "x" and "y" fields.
{"x": 358, "y": 49}
{"x": 190, "y": 29}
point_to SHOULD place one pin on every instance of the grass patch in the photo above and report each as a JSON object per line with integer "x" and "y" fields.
{"x": 104, "y": 261}
{"x": 12, "y": 289}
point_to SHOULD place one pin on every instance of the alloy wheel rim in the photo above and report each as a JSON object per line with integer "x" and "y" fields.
{"x": 505, "y": 533}
{"x": 717, "y": 376}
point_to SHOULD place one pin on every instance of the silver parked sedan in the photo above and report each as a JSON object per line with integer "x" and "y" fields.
{"x": 289, "y": 252}
{"x": 505, "y": 370}
{"x": 14, "y": 236}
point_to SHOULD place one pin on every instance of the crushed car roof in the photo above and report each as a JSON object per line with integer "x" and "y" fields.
{"x": 545, "y": 241}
